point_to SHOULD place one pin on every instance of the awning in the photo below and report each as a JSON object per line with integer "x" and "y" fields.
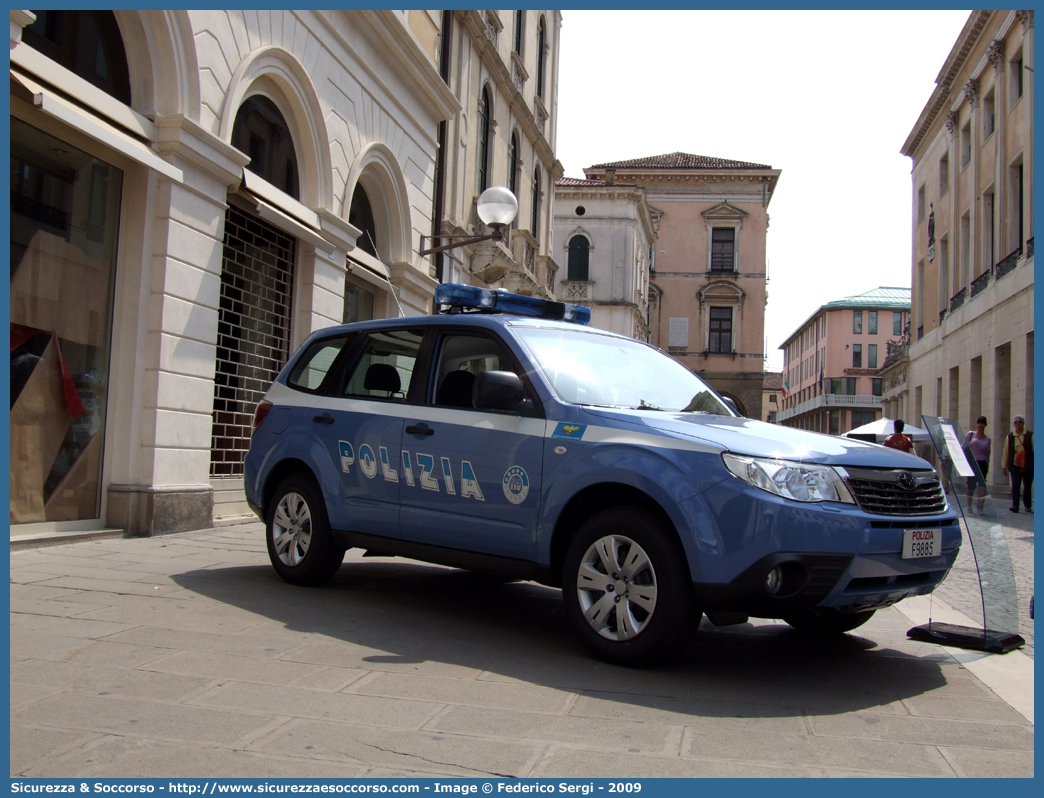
{"x": 91, "y": 125}
{"x": 366, "y": 267}
{"x": 283, "y": 211}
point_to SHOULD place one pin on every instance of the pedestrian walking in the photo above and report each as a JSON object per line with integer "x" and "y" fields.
{"x": 977, "y": 445}
{"x": 904, "y": 443}
{"x": 1018, "y": 463}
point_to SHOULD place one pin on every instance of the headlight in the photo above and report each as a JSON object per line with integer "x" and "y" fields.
{"x": 799, "y": 481}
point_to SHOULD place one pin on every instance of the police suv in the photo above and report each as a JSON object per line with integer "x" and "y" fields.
{"x": 504, "y": 436}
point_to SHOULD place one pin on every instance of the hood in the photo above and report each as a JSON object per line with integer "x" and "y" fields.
{"x": 760, "y": 439}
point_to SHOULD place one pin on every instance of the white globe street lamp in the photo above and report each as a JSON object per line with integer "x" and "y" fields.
{"x": 497, "y": 208}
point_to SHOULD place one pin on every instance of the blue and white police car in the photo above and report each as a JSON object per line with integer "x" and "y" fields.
{"x": 503, "y": 435}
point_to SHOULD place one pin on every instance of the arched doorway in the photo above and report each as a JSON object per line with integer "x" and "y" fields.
{"x": 256, "y": 288}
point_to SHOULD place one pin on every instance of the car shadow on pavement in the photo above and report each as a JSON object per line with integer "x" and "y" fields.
{"x": 408, "y": 617}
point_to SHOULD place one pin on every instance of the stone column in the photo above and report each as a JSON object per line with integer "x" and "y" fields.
{"x": 1001, "y": 246}
{"x": 163, "y": 485}
{"x": 1029, "y": 79}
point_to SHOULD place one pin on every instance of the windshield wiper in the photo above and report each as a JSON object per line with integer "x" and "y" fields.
{"x": 643, "y": 405}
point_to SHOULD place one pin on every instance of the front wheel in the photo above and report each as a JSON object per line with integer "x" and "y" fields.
{"x": 300, "y": 544}
{"x": 826, "y": 625}
{"x": 627, "y": 589}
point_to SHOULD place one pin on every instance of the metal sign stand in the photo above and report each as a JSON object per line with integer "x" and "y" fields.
{"x": 985, "y": 535}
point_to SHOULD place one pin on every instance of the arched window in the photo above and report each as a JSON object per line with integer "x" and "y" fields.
{"x": 519, "y": 16}
{"x": 87, "y": 43}
{"x": 541, "y": 59}
{"x": 484, "y": 119}
{"x": 534, "y": 225}
{"x": 261, "y": 132}
{"x": 513, "y": 165}
{"x": 579, "y": 258}
{"x": 360, "y": 216}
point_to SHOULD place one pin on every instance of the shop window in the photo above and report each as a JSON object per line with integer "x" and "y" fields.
{"x": 63, "y": 265}
{"x": 358, "y": 304}
{"x": 261, "y": 132}
{"x": 87, "y": 43}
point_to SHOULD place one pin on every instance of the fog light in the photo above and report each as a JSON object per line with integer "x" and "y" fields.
{"x": 774, "y": 580}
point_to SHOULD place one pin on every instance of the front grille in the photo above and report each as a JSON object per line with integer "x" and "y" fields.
{"x": 881, "y": 492}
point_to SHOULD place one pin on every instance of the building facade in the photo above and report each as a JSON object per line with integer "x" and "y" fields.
{"x": 708, "y": 277}
{"x": 831, "y": 362}
{"x": 604, "y": 236}
{"x": 971, "y": 349}
{"x": 193, "y": 193}
{"x": 502, "y": 66}
{"x": 772, "y": 396}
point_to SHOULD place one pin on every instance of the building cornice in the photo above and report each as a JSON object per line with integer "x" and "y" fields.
{"x": 945, "y": 82}
{"x": 617, "y": 192}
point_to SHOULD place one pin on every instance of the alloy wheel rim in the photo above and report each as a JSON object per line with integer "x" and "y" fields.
{"x": 292, "y": 529}
{"x": 616, "y": 585}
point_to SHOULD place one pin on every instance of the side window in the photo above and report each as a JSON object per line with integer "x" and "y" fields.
{"x": 461, "y": 359}
{"x": 311, "y": 369}
{"x": 385, "y": 368}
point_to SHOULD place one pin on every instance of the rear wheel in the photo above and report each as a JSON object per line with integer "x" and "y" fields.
{"x": 297, "y": 531}
{"x": 627, "y": 589}
{"x": 809, "y": 623}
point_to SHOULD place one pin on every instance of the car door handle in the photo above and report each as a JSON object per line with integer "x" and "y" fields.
{"x": 325, "y": 418}
{"x": 420, "y": 429}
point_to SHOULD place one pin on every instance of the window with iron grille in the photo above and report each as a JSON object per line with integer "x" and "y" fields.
{"x": 253, "y": 331}
{"x": 723, "y": 249}
{"x": 720, "y": 330}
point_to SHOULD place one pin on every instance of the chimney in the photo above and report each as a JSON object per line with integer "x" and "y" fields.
{"x": 610, "y": 177}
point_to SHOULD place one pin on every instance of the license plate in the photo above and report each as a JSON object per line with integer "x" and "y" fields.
{"x": 921, "y": 543}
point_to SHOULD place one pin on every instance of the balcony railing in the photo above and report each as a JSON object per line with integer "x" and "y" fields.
{"x": 900, "y": 348}
{"x": 979, "y": 283}
{"x": 958, "y": 299}
{"x": 576, "y": 290}
{"x": 1010, "y": 262}
{"x": 831, "y": 400}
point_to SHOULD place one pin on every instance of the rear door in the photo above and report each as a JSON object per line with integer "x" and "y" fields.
{"x": 471, "y": 478}
{"x": 361, "y": 422}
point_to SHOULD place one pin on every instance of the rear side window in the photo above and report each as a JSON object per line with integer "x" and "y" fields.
{"x": 311, "y": 369}
{"x": 385, "y": 368}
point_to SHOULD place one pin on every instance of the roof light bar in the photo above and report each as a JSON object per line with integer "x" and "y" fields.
{"x": 486, "y": 300}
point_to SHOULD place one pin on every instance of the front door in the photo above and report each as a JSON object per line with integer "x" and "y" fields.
{"x": 471, "y": 478}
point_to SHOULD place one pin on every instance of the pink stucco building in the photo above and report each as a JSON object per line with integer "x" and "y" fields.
{"x": 831, "y": 361}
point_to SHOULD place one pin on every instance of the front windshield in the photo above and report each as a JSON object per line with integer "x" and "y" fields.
{"x": 587, "y": 368}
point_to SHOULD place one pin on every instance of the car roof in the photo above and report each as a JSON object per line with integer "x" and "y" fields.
{"x": 479, "y": 320}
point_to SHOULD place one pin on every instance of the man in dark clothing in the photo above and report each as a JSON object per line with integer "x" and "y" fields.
{"x": 1017, "y": 460}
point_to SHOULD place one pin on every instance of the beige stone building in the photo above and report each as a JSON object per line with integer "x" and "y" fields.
{"x": 971, "y": 348}
{"x": 195, "y": 192}
{"x": 708, "y": 286}
{"x": 604, "y": 236}
{"x": 502, "y": 66}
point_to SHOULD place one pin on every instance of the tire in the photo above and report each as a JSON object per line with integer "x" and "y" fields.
{"x": 827, "y": 625}
{"x": 297, "y": 532}
{"x": 647, "y": 614}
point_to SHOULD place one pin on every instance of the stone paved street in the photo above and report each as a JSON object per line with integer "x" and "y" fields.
{"x": 187, "y": 656}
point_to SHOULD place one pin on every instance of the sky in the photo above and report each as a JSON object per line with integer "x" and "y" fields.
{"x": 827, "y": 97}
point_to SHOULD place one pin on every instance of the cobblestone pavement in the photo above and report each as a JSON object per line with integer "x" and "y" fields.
{"x": 187, "y": 656}
{"x": 961, "y": 587}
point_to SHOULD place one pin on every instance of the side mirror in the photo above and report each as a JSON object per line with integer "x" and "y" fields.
{"x": 498, "y": 390}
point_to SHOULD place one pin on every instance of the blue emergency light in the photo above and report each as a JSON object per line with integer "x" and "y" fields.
{"x": 485, "y": 300}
